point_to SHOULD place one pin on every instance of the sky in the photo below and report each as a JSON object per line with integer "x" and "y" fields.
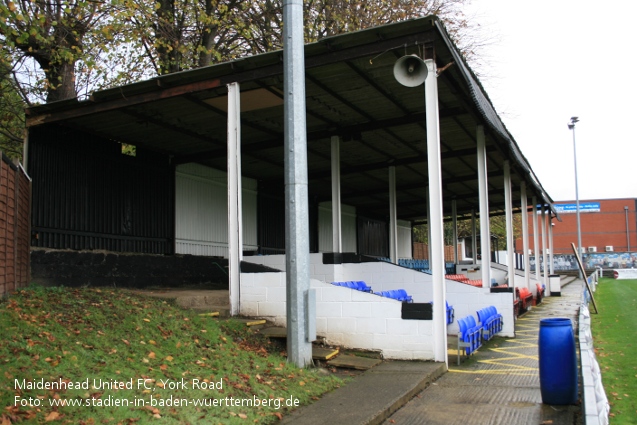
{"x": 551, "y": 60}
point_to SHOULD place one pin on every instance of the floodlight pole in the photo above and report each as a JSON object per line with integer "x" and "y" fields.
{"x": 571, "y": 126}
{"x": 297, "y": 246}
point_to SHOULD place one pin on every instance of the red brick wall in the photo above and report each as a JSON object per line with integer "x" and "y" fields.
{"x": 421, "y": 252}
{"x": 599, "y": 229}
{"x": 15, "y": 195}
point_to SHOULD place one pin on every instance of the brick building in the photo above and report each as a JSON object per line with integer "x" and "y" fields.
{"x": 606, "y": 225}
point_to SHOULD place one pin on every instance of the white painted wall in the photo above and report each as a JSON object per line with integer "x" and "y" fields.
{"x": 467, "y": 300}
{"x": 348, "y": 227}
{"x": 344, "y": 316}
{"x": 201, "y": 211}
{"x": 360, "y": 320}
{"x": 404, "y": 239}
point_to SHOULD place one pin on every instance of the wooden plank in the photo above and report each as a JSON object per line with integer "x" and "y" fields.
{"x": 211, "y": 314}
{"x": 256, "y": 322}
{"x": 320, "y": 353}
{"x": 581, "y": 267}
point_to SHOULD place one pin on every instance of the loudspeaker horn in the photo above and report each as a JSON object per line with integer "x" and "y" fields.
{"x": 410, "y": 71}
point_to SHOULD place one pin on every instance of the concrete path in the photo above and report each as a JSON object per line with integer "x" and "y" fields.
{"x": 500, "y": 383}
{"x": 370, "y": 397}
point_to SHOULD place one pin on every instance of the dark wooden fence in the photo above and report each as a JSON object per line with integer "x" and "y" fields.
{"x": 15, "y": 199}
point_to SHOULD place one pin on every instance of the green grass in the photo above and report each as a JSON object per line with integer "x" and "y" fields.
{"x": 74, "y": 335}
{"x": 615, "y": 337}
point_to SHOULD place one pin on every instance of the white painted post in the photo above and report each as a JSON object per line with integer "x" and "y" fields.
{"x": 427, "y": 203}
{"x": 550, "y": 226}
{"x": 393, "y": 223}
{"x": 474, "y": 236}
{"x": 235, "y": 240}
{"x": 436, "y": 242}
{"x": 508, "y": 207}
{"x": 337, "y": 241}
{"x": 545, "y": 276}
{"x": 525, "y": 236}
{"x": 536, "y": 240}
{"x": 483, "y": 189}
{"x": 454, "y": 217}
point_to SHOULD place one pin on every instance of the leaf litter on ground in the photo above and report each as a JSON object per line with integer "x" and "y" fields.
{"x": 144, "y": 352}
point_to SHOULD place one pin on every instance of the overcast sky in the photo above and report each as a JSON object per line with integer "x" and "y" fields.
{"x": 561, "y": 58}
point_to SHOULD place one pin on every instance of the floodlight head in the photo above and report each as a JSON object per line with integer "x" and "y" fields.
{"x": 571, "y": 124}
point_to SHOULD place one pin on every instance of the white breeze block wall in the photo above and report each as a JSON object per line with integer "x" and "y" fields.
{"x": 318, "y": 270}
{"x": 383, "y": 276}
{"x": 344, "y": 316}
{"x": 519, "y": 282}
{"x": 467, "y": 299}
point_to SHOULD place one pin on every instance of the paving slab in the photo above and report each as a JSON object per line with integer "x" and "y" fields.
{"x": 274, "y": 332}
{"x": 499, "y": 384}
{"x": 371, "y": 397}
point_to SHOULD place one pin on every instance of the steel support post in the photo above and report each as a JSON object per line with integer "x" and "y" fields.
{"x": 297, "y": 246}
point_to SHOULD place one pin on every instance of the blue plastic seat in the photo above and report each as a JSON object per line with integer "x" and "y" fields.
{"x": 499, "y": 320}
{"x": 359, "y": 285}
{"x": 450, "y": 313}
{"x": 475, "y": 332}
{"x": 465, "y": 336}
{"x": 396, "y": 294}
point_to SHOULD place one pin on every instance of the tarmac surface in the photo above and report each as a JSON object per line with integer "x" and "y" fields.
{"x": 499, "y": 384}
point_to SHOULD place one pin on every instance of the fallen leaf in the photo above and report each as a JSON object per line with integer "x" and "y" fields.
{"x": 53, "y": 416}
{"x": 151, "y": 355}
{"x": 243, "y": 416}
{"x": 278, "y": 415}
{"x": 146, "y": 320}
{"x": 169, "y": 358}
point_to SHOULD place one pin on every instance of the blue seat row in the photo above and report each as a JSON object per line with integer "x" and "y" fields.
{"x": 420, "y": 265}
{"x": 490, "y": 320}
{"x": 354, "y": 284}
{"x": 469, "y": 335}
{"x": 396, "y": 294}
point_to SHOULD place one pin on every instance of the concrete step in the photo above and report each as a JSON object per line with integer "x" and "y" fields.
{"x": 201, "y": 300}
{"x": 354, "y": 362}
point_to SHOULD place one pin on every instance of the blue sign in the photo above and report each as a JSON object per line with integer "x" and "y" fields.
{"x": 584, "y": 207}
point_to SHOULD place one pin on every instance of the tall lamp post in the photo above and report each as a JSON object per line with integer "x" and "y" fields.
{"x": 571, "y": 126}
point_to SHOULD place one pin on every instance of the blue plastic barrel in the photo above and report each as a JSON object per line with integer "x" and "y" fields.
{"x": 558, "y": 361}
